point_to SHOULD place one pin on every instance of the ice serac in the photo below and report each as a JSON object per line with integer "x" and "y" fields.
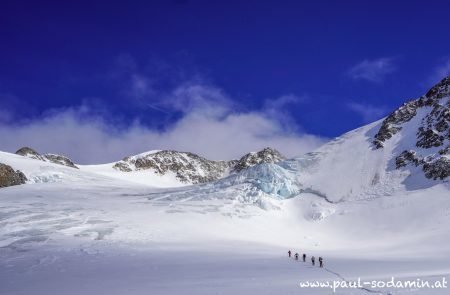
{"x": 269, "y": 178}
{"x": 54, "y": 158}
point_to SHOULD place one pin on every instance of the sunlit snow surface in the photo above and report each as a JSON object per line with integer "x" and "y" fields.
{"x": 89, "y": 231}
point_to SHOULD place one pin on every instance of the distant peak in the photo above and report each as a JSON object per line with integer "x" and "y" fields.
{"x": 266, "y": 155}
{"x": 24, "y": 151}
{"x": 54, "y": 158}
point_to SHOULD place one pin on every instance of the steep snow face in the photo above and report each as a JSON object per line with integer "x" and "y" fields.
{"x": 348, "y": 168}
{"x": 426, "y": 123}
{"x": 408, "y": 150}
{"x": 57, "y": 159}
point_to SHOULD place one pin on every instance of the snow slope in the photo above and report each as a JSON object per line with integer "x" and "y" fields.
{"x": 83, "y": 232}
{"x": 144, "y": 177}
{"x": 102, "y": 236}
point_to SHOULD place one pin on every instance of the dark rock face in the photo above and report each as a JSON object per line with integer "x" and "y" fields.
{"x": 57, "y": 159}
{"x": 9, "y": 177}
{"x": 438, "y": 169}
{"x": 391, "y": 125}
{"x": 191, "y": 168}
{"x": 433, "y": 168}
{"x": 435, "y": 125}
{"x": 30, "y": 153}
{"x": 267, "y": 155}
{"x": 122, "y": 166}
{"x": 433, "y": 131}
{"x": 429, "y": 138}
{"x": 407, "y": 157}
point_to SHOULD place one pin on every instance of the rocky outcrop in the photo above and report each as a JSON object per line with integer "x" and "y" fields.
{"x": 438, "y": 169}
{"x": 267, "y": 155}
{"x": 192, "y": 168}
{"x": 58, "y": 159}
{"x": 407, "y": 157}
{"x": 30, "y": 153}
{"x": 392, "y": 124}
{"x": 9, "y": 177}
{"x": 53, "y": 158}
{"x": 187, "y": 167}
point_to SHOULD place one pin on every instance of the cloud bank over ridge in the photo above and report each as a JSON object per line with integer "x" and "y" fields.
{"x": 211, "y": 124}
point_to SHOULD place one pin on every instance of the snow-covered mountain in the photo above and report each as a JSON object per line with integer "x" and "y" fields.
{"x": 159, "y": 168}
{"x": 54, "y": 158}
{"x": 189, "y": 168}
{"x": 407, "y": 150}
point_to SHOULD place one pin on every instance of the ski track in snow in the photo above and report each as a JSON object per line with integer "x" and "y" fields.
{"x": 344, "y": 279}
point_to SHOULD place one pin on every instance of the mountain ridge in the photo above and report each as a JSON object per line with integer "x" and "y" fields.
{"x": 192, "y": 168}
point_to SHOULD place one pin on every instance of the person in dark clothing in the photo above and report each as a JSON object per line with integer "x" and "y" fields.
{"x": 296, "y": 256}
{"x": 313, "y": 260}
{"x": 304, "y": 257}
{"x": 289, "y": 253}
{"x": 320, "y": 261}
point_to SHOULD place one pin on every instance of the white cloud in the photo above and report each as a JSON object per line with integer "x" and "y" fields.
{"x": 368, "y": 113}
{"x": 372, "y": 70}
{"x": 211, "y": 125}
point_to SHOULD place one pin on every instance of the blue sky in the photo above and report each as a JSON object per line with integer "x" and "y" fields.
{"x": 98, "y": 80}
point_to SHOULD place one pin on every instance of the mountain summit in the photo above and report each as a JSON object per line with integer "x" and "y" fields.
{"x": 426, "y": 122}
{"x": 54, "y": 158}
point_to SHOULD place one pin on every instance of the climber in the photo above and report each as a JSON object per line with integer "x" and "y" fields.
{"x": 313, "y": 260}
{"x": 320, "y": 261}
{"x": 304, "y": 257}
{"x": 296, "y": 256}
{"x": 289, "y": 253}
